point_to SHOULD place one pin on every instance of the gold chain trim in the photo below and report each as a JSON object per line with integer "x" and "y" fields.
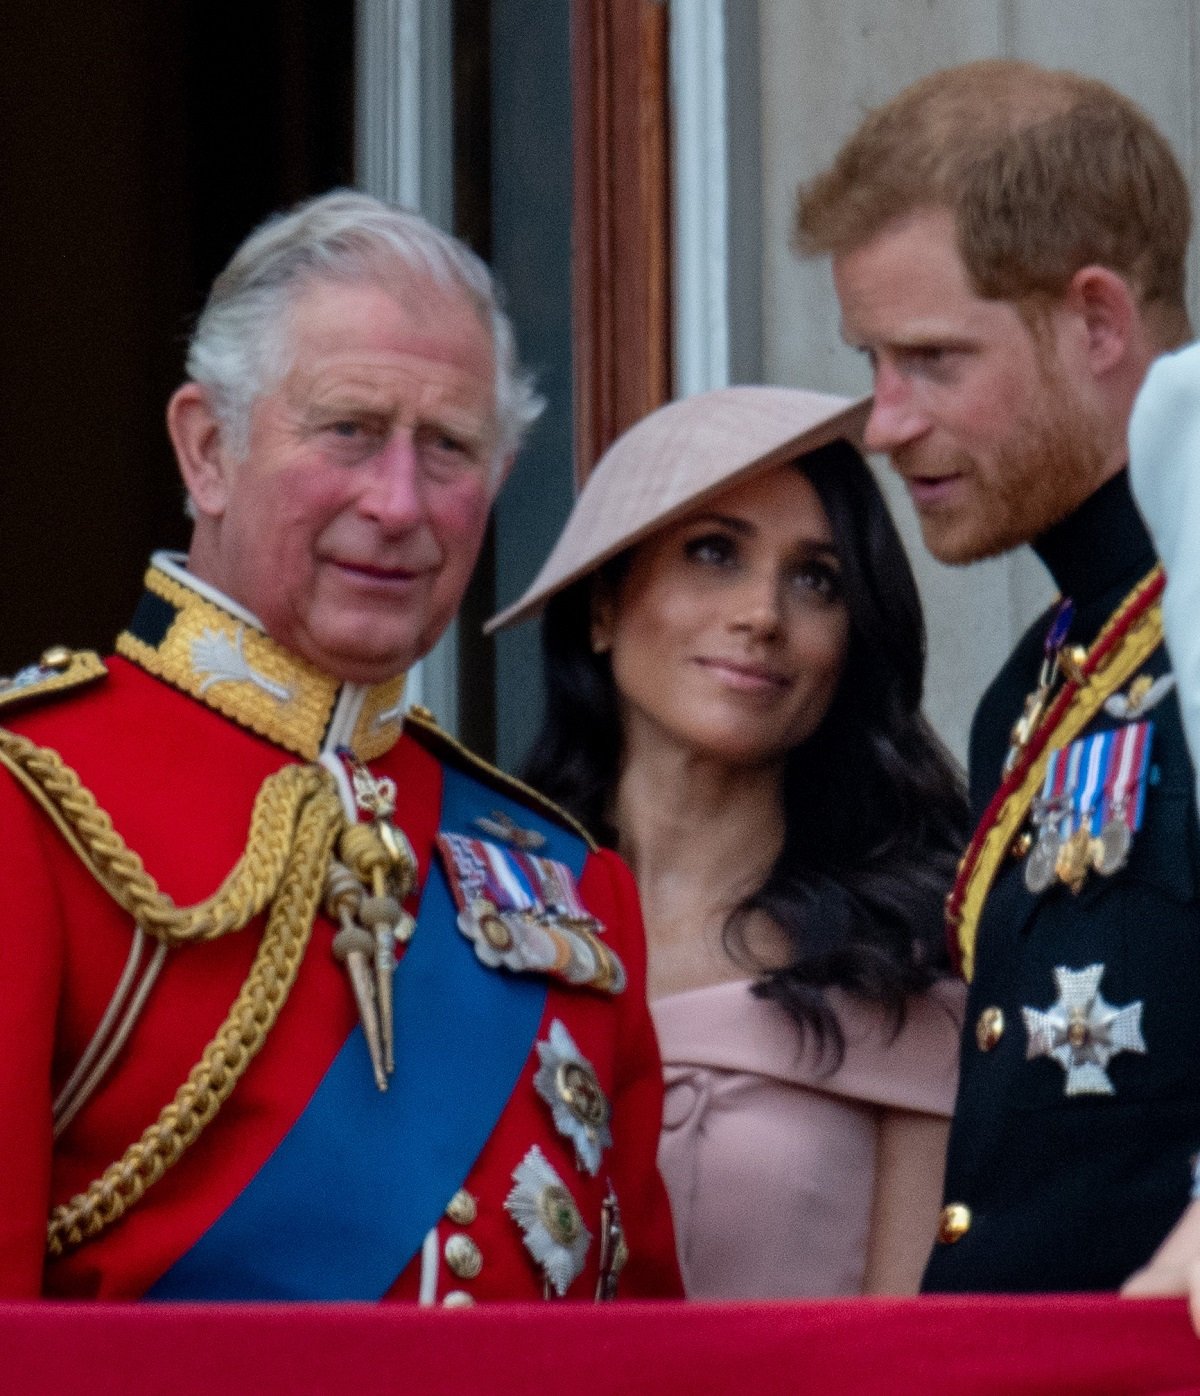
{"x": 296, "y": 820}
{"x": 1134, "y": 648}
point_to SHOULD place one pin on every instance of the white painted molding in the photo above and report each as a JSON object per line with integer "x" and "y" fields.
{"x": 404, "y": 134}
{"x": 405, "y": 116}
{"x": 716, "y": 194}
{"x": 700, "y": 194}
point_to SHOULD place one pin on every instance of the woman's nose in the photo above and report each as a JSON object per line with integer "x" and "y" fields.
{"x": 759, "y": 606}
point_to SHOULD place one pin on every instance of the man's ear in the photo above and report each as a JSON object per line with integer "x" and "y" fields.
{"x": 501, "y": 470}
{"x": 203, "y": 461}
{"x": 1108, "y": 312}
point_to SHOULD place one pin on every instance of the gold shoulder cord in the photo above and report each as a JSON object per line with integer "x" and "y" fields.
{"x": 297, "y": 816}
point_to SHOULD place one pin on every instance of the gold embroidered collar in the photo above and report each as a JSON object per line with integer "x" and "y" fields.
{"x": 206, "y": 645}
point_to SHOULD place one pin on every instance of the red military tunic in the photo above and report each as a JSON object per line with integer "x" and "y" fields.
{"x": 178, "y": 778}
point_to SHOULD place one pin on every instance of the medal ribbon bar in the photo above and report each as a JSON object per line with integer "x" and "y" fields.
{"x": 1132, "y": 634}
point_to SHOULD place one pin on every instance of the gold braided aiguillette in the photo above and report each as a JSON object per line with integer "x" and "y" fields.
{"x": 295, "y": 823}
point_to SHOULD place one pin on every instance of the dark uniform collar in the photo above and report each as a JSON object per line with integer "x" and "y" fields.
{"x": 203, "y": 643}
{"x": 1103, "y": 546}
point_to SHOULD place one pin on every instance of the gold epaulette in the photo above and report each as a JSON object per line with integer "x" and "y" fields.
{"x": 58, "y": 671}
{"x": 422, "y": 724}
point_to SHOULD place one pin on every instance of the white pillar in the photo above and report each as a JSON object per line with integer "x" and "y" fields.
{"x": 404, "y": 153}
{"x": 716, "y": 194}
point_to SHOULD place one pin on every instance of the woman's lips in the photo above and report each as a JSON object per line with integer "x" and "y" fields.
{"x": 749, "y": 678}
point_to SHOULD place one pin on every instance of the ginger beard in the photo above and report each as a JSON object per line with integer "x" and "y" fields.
{"x": 1033, "y": 478}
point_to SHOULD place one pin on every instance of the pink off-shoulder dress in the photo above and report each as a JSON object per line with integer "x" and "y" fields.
{"x": 768, "y": 1157}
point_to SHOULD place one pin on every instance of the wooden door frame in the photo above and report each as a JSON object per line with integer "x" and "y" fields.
{"x": 620, "y": 234}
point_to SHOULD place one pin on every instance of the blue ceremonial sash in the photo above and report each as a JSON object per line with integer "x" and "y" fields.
{"x": 345, "y": 1201}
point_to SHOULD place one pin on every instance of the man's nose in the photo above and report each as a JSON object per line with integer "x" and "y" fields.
{"x": 393, "y": 491}
{"x": 896, "y": 416}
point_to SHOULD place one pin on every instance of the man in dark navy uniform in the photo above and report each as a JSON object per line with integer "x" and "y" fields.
{"x": 1008, "y": 249}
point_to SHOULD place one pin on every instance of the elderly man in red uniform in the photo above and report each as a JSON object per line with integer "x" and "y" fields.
{"x": 300, "y": 1000}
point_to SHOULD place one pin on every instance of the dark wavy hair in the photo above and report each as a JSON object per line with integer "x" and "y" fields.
{"x": 875, "y": 812}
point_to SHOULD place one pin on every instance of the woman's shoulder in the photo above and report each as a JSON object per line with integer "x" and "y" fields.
{"x": 915, "y": 1068}
{"x": 725, "y": 1027}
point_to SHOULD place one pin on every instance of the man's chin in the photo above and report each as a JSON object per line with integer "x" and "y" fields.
{"x": 960, "y": 546}
{"x": 359, "y": 663}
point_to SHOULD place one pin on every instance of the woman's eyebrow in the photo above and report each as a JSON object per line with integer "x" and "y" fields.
{"x": 817, "y": 545}
{"x": 729, "y": 521}
{"x": 745, "y": 528}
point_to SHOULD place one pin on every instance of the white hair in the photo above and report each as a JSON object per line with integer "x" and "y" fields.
{"x": 239, "y": 349}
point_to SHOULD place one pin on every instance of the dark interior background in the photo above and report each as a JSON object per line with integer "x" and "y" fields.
{"x": 139, "y": 141}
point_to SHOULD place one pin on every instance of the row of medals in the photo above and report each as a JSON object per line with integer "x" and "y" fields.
{"x": 1070, "y": 859}
{"x": 1050, "y": 856}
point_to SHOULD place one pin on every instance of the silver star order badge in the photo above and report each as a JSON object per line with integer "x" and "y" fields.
{"x": 542, "y": 1205}
{"x": 567, "y": 1082}
{"x": 1082, "y": 1031}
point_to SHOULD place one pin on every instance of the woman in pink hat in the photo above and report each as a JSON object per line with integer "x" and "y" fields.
{"x": 734, "y": 659}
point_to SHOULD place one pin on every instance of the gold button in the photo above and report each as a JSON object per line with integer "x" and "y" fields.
{"x": 463, "y": 1256}
{"x": 954, "y": 1223}
{"x": 462, "y": 1209}
{"x": 58, "y": 658}
{"x": 458, "y": 1299}
{"x": 989, "y": 1028}
{"x": 1071, "y": 662}
{"x": 1021, "y": 844}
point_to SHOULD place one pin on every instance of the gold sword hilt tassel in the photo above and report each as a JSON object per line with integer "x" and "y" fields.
{"x": 382, "y": 858}
{"x": 354, "y": 947}
{"x": 381, "y": 915}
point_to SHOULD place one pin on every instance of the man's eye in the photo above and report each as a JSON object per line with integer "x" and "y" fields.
{"x": 932, "y": 360}
{"x": 345, "y": 428}
{"x": 711, "y": 550}
{"x": 446, "y": 448}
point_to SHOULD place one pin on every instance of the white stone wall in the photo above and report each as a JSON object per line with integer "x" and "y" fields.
{"x": 823, "y": 63}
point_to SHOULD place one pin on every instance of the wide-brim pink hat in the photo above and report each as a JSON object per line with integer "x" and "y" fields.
{"x": 677, "y": 458}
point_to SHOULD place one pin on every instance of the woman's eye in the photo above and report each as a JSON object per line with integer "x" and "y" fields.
{"x": 821, "y": 579}
{"x": 711, "y": 550}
